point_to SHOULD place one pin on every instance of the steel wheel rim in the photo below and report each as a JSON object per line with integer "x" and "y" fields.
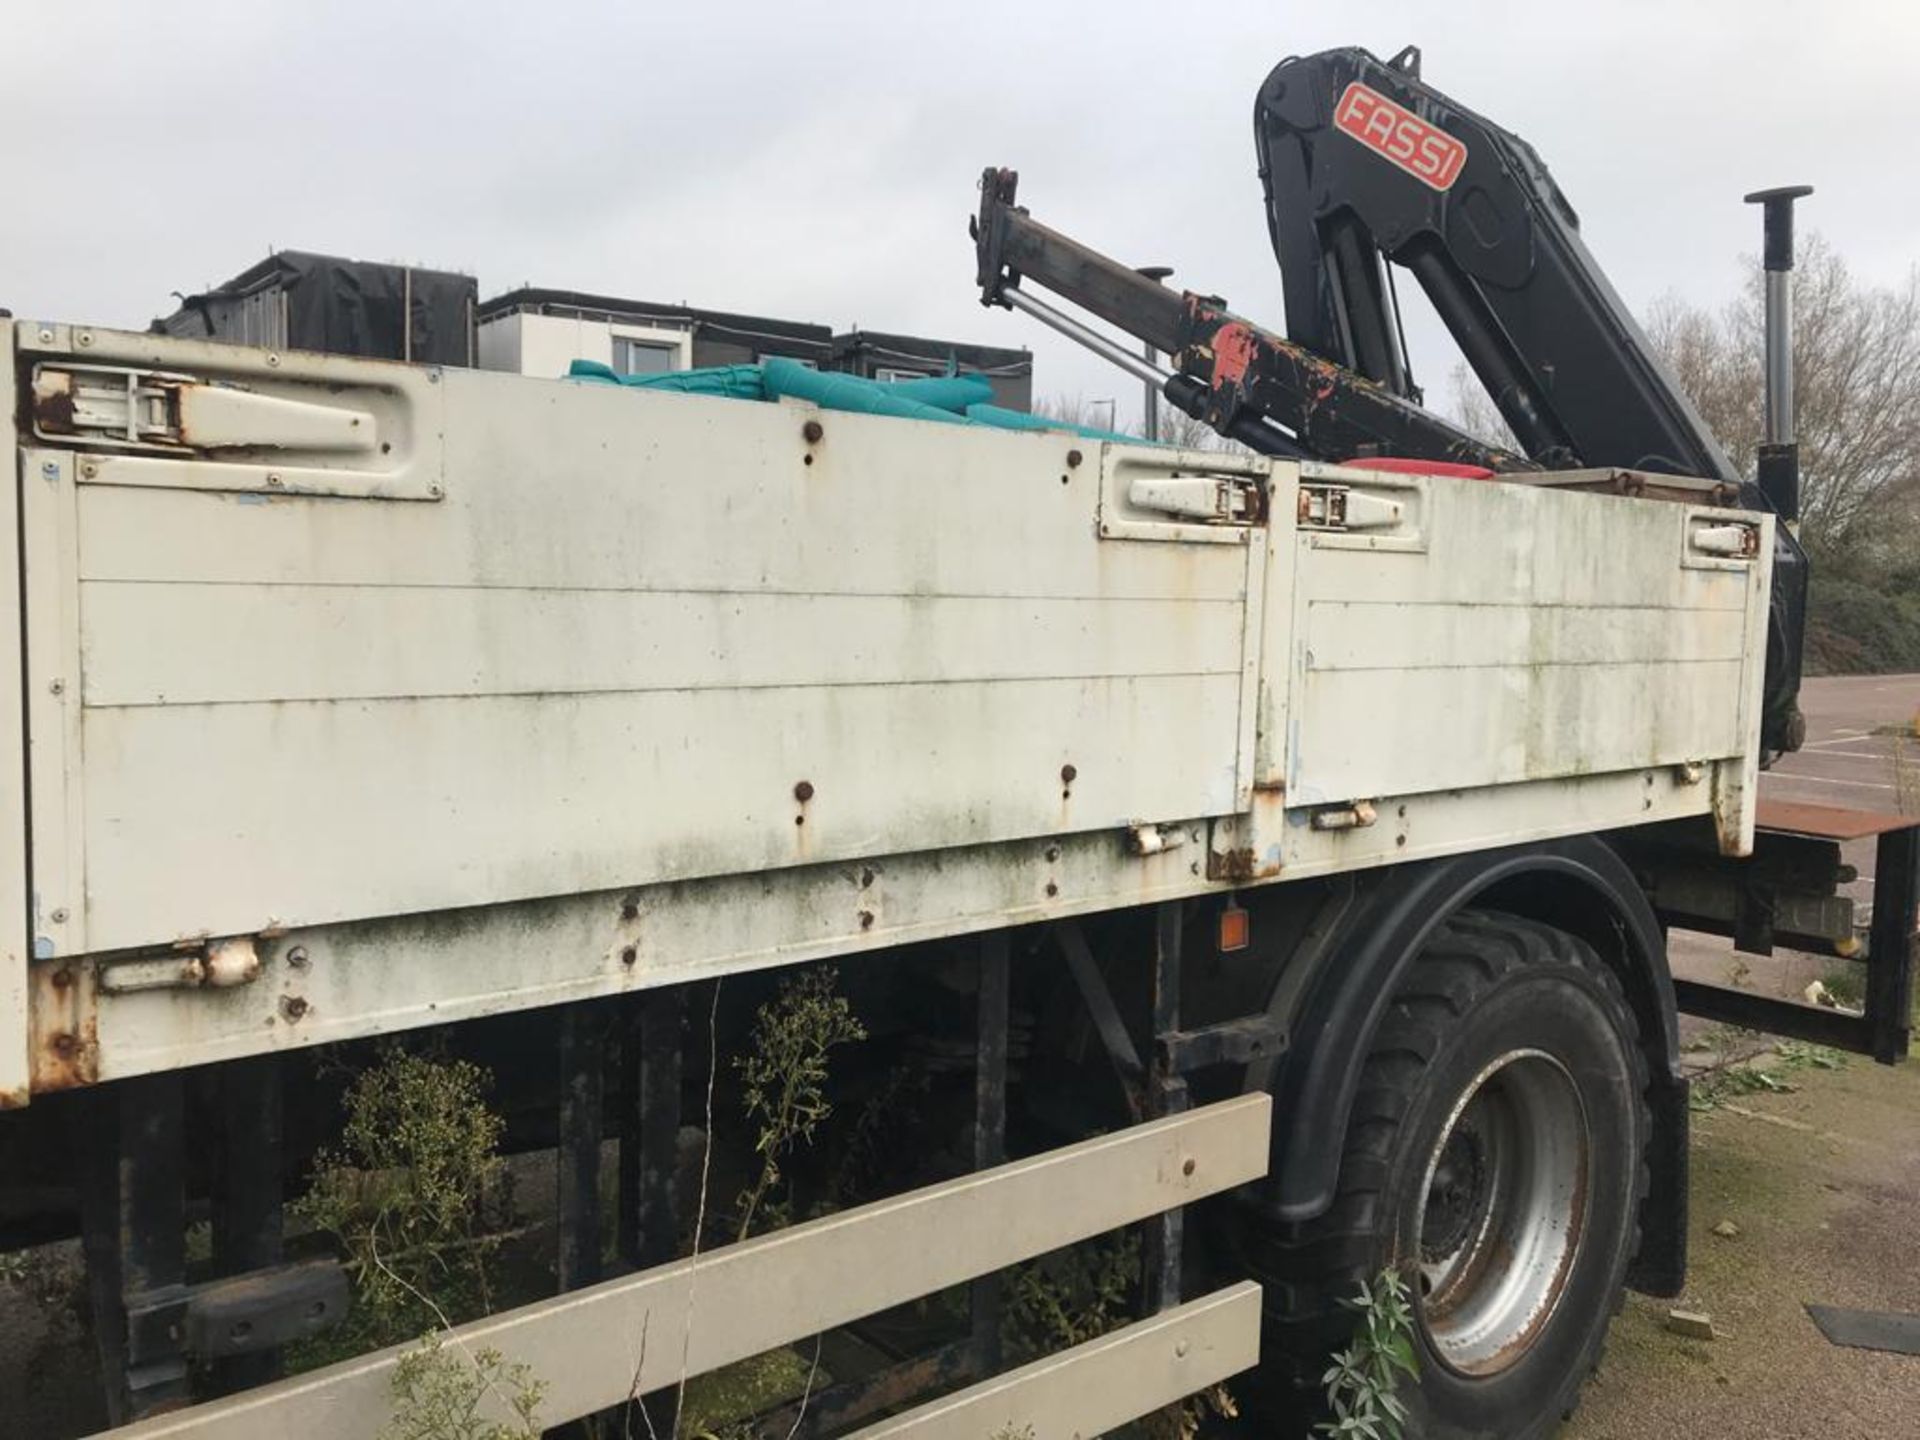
{"x": 1502, "y": 1210}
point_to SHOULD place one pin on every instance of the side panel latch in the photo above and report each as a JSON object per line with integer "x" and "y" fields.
{"x": 131, "y": 409}
{"x": 1213, "y": 499}
{"x": 1340, "y": 507}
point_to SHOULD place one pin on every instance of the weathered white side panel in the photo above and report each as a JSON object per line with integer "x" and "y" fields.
{"x": 630, "y": 639}
{"x": 465, "y": 801}
{"x": 576, "y": 691}
{"x": 1529, "y": 634}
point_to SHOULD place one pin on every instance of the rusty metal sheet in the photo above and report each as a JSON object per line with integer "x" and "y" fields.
{"x": 1826, "y": 822}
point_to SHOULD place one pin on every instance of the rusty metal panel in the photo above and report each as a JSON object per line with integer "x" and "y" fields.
{"x": 599, "y": 1346}
{"x": 1826, "y": 822}
{"x": 645, "y": 687}
{"x": 1452, "y": 664}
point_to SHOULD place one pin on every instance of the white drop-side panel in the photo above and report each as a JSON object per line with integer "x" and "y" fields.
{"x": 631, "y": 635}
{"x": 1532, "y": 634}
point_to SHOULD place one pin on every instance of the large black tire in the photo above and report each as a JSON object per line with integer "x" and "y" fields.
{"x": 1505, "y": 1036}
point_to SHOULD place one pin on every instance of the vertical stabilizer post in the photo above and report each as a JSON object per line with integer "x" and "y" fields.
{"x": 1779, "y": 468}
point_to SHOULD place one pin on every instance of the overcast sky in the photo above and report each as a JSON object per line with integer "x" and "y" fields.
{"x": 817, "y": 161}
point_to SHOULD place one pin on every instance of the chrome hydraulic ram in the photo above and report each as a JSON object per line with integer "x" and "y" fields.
{"x": 1254, "y": 431}
{"x": 1779, "y": 467}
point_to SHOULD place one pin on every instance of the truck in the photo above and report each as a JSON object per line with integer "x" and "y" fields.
{"x": 1266, "y": 851}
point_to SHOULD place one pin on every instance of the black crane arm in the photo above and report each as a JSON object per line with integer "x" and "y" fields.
{"x": 1364, "y": 163}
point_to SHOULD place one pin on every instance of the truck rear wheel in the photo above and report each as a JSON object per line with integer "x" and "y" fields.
{"x": 1495, "y": 1159}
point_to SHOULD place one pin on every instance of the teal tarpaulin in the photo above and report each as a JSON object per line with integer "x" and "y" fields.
{"x": 946, "y": 400}
{"x": 833, "y": 391}
{"x": 738, "y": 382}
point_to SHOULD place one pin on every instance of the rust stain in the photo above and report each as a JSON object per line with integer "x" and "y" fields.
{"x": 53, "y": 407}
{"x": 68, "y": 1060}
{"x": 65, "y": 1050}
{"x": 1233, "y": 865}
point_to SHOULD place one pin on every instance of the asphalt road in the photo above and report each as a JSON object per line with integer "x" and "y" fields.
{"x": 1847, "y": 759}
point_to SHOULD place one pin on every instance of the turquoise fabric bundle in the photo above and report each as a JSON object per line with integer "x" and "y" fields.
{"x": 832, "y": 391}
{"x": 945, "y": 399}
{"x": 735, "y": 382}
{"x": 949, "y": 392}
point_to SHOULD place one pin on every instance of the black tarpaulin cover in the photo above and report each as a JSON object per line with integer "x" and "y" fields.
{"x": 345, "y": 307}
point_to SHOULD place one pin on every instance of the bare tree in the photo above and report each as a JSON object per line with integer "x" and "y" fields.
{"x": 1067, "y": 409}
{"x": 1190, "y": 433}
{"x": 1077, "y": 410}
{"x": 1177, "y": 428}
{"x": 1857, "y": 370}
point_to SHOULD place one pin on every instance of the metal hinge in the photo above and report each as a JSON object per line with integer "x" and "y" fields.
{"x": 215, "y": 965}
{"x": 1214, "y": 499}
{"x": 1357, "y": 816}
{"x": 110, "y": 406}
{"x": 1336, "y": 507}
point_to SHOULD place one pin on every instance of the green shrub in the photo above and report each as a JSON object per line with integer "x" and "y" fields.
{"x": 406, "y": 1196}
{"x": 1862, "y": 626}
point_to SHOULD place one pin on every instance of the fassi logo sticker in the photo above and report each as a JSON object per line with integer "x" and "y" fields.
{"x": 1425, "y": 152}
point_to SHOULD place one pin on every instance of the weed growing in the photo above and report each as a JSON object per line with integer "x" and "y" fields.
{"x": 1846, "y": 985}
{"x": 439, "y": 1394}
{"x": 783, "y": 1082}
{"x": 1078, "y": 1294}
{"x": 408, "y": 1196}
{"x": 1742, "y": 1076}
{"x": 1361, "y": 1382}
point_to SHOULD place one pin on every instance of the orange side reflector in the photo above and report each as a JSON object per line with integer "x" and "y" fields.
{"x": 1236, "y": 930}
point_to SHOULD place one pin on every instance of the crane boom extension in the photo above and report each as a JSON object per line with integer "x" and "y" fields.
{"x": 1228, "y": 370}
{"x": 1364, "y": 164}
